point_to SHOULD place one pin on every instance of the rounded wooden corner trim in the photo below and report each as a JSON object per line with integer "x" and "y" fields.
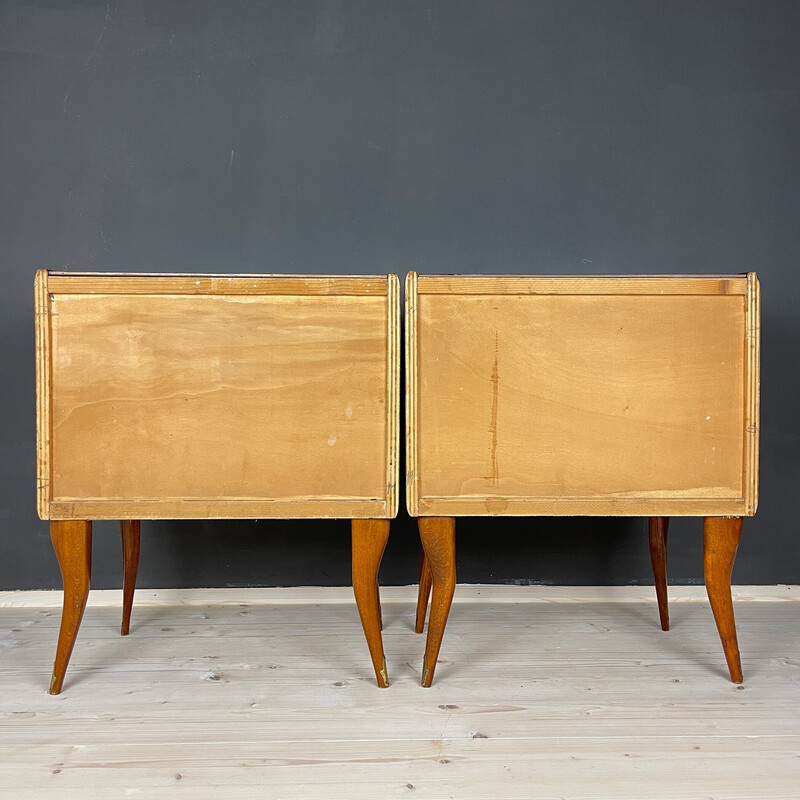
{"x": 43, "y": 392}
{"x": 412, "y": 394}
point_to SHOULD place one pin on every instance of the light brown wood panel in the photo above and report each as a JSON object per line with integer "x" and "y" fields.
{"x": 178, "y": 283}
{"x": 524, "y": 398}
{"x": 253, "y": 396}
{"x": 591, "y": 284}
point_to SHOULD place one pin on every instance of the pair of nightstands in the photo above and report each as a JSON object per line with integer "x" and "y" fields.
{"x": 252, "y": 396}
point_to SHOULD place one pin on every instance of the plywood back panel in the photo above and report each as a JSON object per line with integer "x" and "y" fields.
{"x": 198, "y": 396}
{"x": 582, "y": 395}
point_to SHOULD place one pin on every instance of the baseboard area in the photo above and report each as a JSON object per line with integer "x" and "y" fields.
{"x": 466, "y": 593}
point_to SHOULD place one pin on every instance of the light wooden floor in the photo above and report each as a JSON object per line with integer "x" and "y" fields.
{"x": 541, "y": 693}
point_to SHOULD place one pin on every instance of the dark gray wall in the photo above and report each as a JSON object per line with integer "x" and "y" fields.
{"x": 461, "y": 136}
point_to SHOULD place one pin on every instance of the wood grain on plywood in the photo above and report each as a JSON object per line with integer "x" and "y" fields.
{"x": 547, "y": 402}
{"x": 170, "y": 402}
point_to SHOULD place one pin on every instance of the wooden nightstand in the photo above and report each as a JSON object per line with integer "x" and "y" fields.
{"x": 629, "y": 396}
{"x": 215, "y": 396}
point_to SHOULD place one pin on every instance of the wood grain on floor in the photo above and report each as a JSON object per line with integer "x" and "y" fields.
{"x": 541, "y": 692}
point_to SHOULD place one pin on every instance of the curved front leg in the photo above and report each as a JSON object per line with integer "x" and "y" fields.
{"x": 438, "y": 536}
{"x": 659, "y": 527}
{"x": 72, "y": 541}
{"x": 130, "y": 529}
{"x": 720, "y": 541}
{"x": 369, "y": 537}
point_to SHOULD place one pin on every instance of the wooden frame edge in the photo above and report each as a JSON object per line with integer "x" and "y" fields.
{"x": 589, "y": 284}
{"x": 412, "y": 361}
{"x": 393, "y": 395}
{"x": 578, "y": 507}
{"x": 287, "y": 508}
{"x": 192, "y": 284}
{"x": 43, "y": 392}
{"x": 752, "y": 391}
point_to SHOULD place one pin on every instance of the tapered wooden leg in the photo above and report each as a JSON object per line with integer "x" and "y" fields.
{"x": 378, "y": 603}
{"x": 659, "y": 527}
{"x": 369, "y": 538}
{"x": 720, "y": 541}
{"x": 130, "y": 558}
{"x": 424, "y": 593}
{"x": 438, "y": 536}
{"x": 72, "y": 541}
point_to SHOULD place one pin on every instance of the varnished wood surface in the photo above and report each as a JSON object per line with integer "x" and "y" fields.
{"x": 542, "y": 692}
{"x": 221, "y": 396}
{"x": 658, "y": 529}
{"x": 131, "y": 545}
{"x": 72, "y": 542}
{"x": 607, "y": 396}
{"x": 721, "y": 537}
{"x": 438, "y": 536}
{"x": 424, "y": 593}
{"x": 369, "y": 537}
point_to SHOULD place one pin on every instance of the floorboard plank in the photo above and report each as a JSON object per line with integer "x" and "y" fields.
{"x": 275, "y": 697}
